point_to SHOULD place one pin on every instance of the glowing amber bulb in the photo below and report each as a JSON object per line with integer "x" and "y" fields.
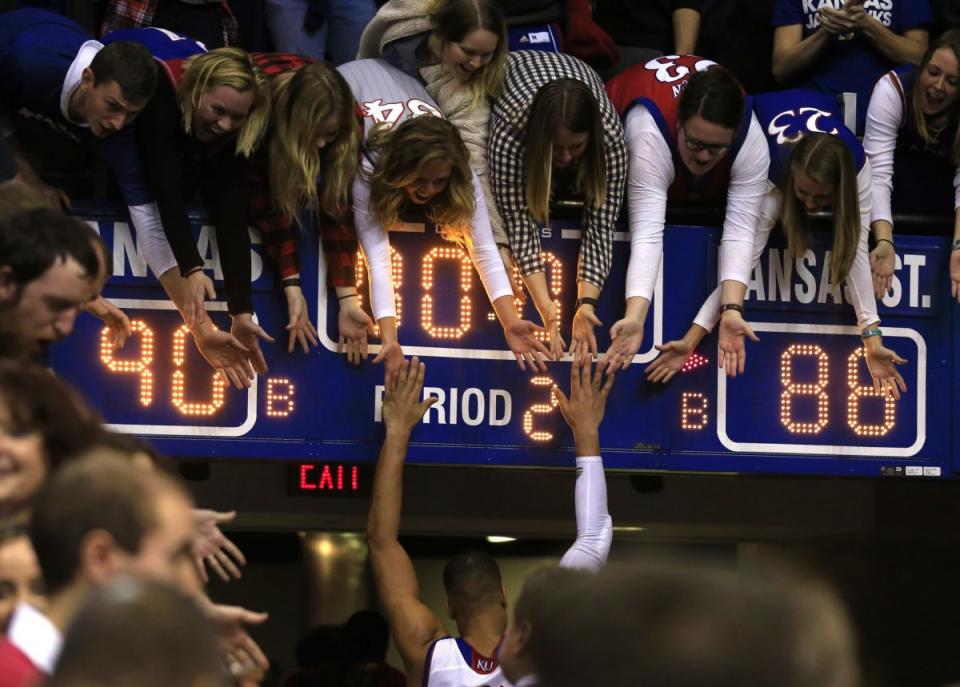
{"x": 427, "y": 279}
{"x": 858, "y": 391}
{"x": 178, "y": 390}
{"x": 792, "y": 388}
{"x": 539, "y": 409}
{"x": 139, "y": 366}
{"x": 693, "y": 411}
{"x": 280, "y": 403}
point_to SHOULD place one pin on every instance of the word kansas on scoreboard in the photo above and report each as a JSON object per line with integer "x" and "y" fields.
{"x": 804, "y": 405}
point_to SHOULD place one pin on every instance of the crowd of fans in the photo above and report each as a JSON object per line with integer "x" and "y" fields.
{"x": 103, "y": 554}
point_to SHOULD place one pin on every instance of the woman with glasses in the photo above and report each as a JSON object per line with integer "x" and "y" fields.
{"x": 691, "y": 139}
{"x": 817, "y": 165}
{"x": 554, "y": 132}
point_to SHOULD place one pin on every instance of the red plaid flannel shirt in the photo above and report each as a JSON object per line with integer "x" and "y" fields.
{"x": 135, "y": 14}
{"x": 278, "y": 230}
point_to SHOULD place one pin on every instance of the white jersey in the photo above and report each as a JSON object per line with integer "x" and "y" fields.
{"x": 452, "y": 662}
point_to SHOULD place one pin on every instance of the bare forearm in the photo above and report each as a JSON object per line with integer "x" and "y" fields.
{"x": 882, "y": 229}
{"x": 637, "y": 308}
{"x": 383, "y": 522}
{"x": 587, "y": 290}
{"x": 388, "y": 329}
{"x": 906, "y": 49}
{"x": 536, "y": 283}
{"x": 587, "y": 441}
{"x": 686, "y": 26}
{"x": 505, "y": 309}
{"x": 175, "y": 287}
{"x": 796, "y": 58}
{"x": 732, "y": 292}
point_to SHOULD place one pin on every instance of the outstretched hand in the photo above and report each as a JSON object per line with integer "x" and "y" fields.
{"x": 212, "y": 547}
{"x": 733, "y": 332}
{"x": 249, "y": 333}
{"x": 583, "y": 409}
{"x": 882, "y": 362}
{"x": 113, "y": 317}
{"x": 521, "y": 336}
{"x": 583, "y": 340}
{"x": 402, "y": 408}
{"x": 225, "y": 354}
{"x": 673, "y": 356}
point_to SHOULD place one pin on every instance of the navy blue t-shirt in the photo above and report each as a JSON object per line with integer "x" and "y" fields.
{"x": 851, "y": 66}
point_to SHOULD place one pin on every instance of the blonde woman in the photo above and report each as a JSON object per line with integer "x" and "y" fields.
{"x": 816, "y": 165}
{"x": 308, "y": 162}
{"x": 205, "y": 121}
{"x": 419, "y": 162}
{"x": 554, "y": 131}
{"x": 913, "y": 141}
{"x": 458, "y": 50}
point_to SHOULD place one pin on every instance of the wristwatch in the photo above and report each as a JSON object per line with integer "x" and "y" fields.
{"x": 731, "y": 306}
{"x": 956, "y": 245}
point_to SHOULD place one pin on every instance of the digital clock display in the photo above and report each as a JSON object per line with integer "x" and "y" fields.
{"x": 804, "y": 405}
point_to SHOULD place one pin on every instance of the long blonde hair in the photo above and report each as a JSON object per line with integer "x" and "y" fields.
{"x": 826, "y": 160}
{"x": 231, "y": 67}
{"x": 570, "y": 104}
{"x": 951, "y": 41}
{"x": 403, "y": 154}
{"x": 452, "y": 20}
{"x": 311, "y": 95}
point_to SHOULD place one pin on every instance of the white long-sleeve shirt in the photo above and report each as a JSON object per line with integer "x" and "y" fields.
{"x": 651, "y": 172}
{"x": 859, "y": 281}
{"x": 885, "y": 115}
{"x": 376, "y": 249}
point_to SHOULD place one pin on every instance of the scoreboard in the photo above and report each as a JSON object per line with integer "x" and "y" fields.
{"x": 804, "y": 406}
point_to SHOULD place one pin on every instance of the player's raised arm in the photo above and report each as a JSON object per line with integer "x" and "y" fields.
{"x": 414, "y": 625}
{"x": 583, "y": 410}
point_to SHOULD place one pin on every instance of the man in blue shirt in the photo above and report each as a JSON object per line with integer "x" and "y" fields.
{"x": 842, "y": 47}
{"x": 52, "y": 72}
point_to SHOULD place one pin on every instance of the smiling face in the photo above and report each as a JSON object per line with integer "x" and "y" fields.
{"x": 431, "y": 180}
{"x": 939, "y": 83}
{"x": 465, "y": 58}
{"x": 814, "y": 196}
{"x": 23, "y": 465}
{"x": 222, "y": 109}
{"x": 702, "y": 144}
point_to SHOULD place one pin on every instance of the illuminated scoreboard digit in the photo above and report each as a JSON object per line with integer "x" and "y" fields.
{"x": 157, "y": 383}
{"x": 442, "y": 308}
{"x": 807, "y": 390}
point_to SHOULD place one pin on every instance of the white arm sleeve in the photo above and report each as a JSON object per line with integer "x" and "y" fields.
{"x": 594, "y": 525}
{"x": 649, "y": 177}
{"x": 884, "y": 117}
{"x": 748, "y": 184}
{"x": 484, "y": 251}
{"x": 376, "y": 250}
{"x": 151, "y": 239}
{"x": 769, "y": 212}
{"x": 860, "y": 279}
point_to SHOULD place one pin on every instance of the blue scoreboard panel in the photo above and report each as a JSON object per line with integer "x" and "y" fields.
{"x": 805, "y": 404}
